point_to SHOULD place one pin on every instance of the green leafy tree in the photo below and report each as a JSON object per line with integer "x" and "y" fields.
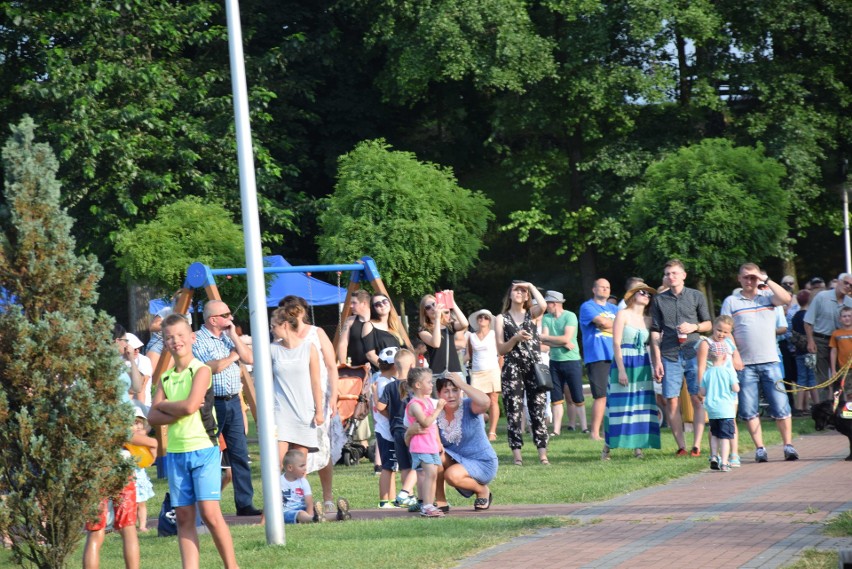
{"x": 137, "y": 95}
{"x": 157, "y": 253}
{"x": 412, "y": 217}
{"x": 61, "y": 422}
{"x": 712, "y": 205}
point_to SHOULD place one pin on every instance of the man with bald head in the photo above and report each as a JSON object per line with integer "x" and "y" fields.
{"x": 219, "y": 346}
{"x": 596, "y": 318}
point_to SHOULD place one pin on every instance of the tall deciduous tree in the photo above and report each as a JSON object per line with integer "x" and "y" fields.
{"x": 411, "y": 217}
{"x": 712, "y": 205}
{"x": 137, "y": 95}
{"x": 61, "y": 422}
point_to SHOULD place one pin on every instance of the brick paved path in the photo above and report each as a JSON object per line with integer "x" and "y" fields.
{"x": 760, "y": 515}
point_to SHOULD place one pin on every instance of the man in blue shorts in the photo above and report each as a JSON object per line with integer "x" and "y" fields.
{"x": 754, "y": 331}
{"x": 678, "y": 315}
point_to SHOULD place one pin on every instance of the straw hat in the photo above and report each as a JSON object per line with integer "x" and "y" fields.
{"x": 629, "y": 294}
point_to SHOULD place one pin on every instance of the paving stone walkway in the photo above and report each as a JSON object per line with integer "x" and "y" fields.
{"x": 760, "y": 515}
{"x": 756, "y": 516}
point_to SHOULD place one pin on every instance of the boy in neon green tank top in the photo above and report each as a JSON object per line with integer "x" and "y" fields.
{"x": 184, "y": 402}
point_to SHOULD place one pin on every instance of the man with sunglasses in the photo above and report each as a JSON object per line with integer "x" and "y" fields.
{"x": 755, "y": 319}
{"x": 219, "y": 346}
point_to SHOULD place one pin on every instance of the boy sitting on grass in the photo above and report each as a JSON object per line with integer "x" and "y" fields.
{"x": 184, "y": 402}
{"x": 299, "y": 505}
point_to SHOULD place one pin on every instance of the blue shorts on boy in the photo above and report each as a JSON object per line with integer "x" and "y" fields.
{"x": 194, "y": 476}
{"x": 722, "y": 428}
{"x": 387, "y": 451}
{"x": 293, "y": 493}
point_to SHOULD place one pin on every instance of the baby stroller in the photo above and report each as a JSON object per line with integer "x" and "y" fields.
{"x": 353, "y": 406}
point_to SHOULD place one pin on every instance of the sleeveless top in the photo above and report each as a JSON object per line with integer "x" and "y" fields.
{"x": 524, "y": 353}
{"x": 198, "y": 430}
{"x": 484, "y": 354}
{"x": 355, "y": 349}
{"x": 438, "y": 356}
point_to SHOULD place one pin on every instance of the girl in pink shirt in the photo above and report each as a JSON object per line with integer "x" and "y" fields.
{"x": 425, "y": 445}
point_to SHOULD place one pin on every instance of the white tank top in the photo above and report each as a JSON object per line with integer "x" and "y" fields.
{"x": 484, "y": 352}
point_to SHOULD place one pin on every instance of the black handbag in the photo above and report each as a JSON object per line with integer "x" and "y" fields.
{"x": 543, "y": 381}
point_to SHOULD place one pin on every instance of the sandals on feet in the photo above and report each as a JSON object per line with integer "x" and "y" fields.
{"x": 482, "y": 503}
{"x": 544, "y": 461}
{"x": 492, "y": 436}
{"x": 518, "y": 462}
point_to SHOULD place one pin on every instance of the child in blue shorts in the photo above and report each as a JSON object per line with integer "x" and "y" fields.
{"x": 184, "y": 402}
{"x": 717, "y": 359}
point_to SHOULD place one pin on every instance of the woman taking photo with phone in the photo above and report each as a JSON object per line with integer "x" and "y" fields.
{"x": 517, "y": 340}
{"x": 437, "y": 330}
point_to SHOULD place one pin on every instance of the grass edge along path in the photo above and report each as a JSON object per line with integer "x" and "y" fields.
{"x": 838, "y": 526}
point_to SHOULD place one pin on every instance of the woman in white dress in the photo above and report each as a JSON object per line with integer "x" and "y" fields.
{"x": 330, "y": 434}
{"x": 298, "y": 394}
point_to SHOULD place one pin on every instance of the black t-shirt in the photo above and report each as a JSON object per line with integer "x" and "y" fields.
{"x": 396, "y": 406}
{"x": 355, "y": 350}
{"x": 378, "y": 340}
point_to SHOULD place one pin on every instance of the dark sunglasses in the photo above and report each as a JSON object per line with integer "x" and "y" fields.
{"x": 644, "y": 293}
{"x": 430, "y": 306}
{"x": 223, "y": 315}
{"x": 379, "y": 303}
{"x": 481, "y": 316}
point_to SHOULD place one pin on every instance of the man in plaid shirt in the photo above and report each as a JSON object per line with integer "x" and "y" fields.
{"x": 219, "y": 346}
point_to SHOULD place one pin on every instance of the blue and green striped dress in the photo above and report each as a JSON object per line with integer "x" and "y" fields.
{"x": 631, "y": 411}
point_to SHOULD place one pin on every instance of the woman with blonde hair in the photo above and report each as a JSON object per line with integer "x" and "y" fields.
{"x": 383, "y": 330}
{"x": 298, "y": 397}
{"x": 517, "y": 340}
{"x": 437, "y": 330}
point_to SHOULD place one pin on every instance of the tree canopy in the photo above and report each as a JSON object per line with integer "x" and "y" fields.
{"x": 158, "y": 252}
{"x": 412, "y": 217}
{"x": 712, "y": 205}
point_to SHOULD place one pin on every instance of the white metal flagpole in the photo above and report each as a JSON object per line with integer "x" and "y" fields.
{"x": 272, "y": 506}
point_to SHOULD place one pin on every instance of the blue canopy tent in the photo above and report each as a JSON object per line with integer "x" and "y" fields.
{"x": 315, "y": 291}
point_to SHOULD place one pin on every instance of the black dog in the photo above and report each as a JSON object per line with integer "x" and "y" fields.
{"x": 823, "y": 416}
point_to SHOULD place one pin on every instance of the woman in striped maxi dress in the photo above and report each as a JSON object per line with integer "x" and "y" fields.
{"x": 631, "y": 410}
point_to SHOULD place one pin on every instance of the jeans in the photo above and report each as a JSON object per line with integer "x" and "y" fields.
{"x": 674, "y": 372}
{"x": 230, "y": 417}
{"x": 768, "y": 378}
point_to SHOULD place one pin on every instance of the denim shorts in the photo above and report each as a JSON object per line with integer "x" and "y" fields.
{"x": 805, "y": 376}
{"x": 425, "y": 458}
{"x": 194, "y": 476}
{"x": 768, "y": 377}
{"x": 673, "y": 374}
{"x": 291, "y": 516}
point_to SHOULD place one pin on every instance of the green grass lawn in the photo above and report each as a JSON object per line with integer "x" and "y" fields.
{"x": 576, "y": 475}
